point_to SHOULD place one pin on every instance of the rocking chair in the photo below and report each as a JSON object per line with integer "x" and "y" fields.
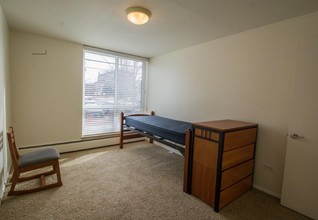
{"x": 32, "y": 161}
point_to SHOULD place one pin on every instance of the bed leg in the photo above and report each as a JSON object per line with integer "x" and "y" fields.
{"x": 186, "y": 175}
{"x": 121, "y": 138}
{"x": 151, "y": 140}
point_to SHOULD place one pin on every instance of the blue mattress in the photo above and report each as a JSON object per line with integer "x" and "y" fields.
{"x": 165, "y": 128}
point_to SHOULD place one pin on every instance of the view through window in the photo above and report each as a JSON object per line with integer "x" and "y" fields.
{"x": 112, "y": 84}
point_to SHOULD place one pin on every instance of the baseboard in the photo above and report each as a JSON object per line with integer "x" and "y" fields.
{"x": 260, "y": 188}
{"x": 2, "y": 184}
{"x": 85, "y": 145}
{"x": 4, "y": 179}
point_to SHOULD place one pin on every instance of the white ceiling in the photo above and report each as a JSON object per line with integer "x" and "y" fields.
{"x": 174, "y": 24}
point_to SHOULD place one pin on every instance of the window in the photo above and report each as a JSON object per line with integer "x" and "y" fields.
{"x": 112, "y": 83}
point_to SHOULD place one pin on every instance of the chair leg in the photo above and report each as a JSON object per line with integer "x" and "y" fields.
{"x": 14, "y": 180}
{"x": 58, "y": 173}
{"x": 42, "y": 180}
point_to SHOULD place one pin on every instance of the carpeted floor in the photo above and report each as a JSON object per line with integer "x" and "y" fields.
{"x": 142, "y": 181}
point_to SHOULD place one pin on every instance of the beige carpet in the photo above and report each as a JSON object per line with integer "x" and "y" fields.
{"x": 142, "y": 181}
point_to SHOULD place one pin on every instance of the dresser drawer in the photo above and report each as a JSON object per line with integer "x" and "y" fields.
{"x": 235, "y": 191}
{"x": 237, "y": 173}
{"x": 236, "y": 156}
{"x": 239, "y": 138}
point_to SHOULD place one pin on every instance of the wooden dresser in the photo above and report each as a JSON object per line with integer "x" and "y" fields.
{"x": 219, "y": 162}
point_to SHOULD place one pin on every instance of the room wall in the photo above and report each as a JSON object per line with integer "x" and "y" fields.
{"x": 46, "y": 89}
{"x": 246, "y": 76}
{"x": 47, "y": 93}
{"x": 4, "y": 98}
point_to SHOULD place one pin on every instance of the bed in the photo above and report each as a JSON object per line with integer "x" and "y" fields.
{"x": 174, "y": 133}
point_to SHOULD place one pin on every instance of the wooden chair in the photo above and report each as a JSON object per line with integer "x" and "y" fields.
{"x": 32, "y": 161}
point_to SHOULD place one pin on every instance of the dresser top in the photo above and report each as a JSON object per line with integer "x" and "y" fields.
{"x": 225, "y": 125}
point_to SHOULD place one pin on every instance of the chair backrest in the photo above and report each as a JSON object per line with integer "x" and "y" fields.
{"x": 13, "y": 148}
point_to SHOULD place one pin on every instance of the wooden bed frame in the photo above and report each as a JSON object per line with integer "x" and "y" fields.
{"x": 130, "y": 133}
{"x": 127, "y": 132}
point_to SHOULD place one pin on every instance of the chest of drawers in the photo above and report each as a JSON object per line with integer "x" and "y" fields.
{"x": 219, "y": 162}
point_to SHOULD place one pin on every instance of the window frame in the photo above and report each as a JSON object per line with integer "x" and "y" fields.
{"x": 117, "y": 56}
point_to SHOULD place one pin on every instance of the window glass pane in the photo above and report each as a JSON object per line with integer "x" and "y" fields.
{"x": 112, "y": 84}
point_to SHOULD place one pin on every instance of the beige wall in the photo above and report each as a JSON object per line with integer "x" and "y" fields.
{"x": 247, "y": 76}
{"x": 46, "y": 89}
{"x": 47, "y": 92}
{"x": 4, "y": 97}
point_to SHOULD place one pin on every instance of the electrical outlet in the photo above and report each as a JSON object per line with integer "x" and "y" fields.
{"x": 268, "y": 167}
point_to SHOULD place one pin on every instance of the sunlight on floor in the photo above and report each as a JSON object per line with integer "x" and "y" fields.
{"x": 80, "y": 160}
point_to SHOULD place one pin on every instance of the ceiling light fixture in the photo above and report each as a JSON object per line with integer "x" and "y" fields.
{"x": 138, "y": 15}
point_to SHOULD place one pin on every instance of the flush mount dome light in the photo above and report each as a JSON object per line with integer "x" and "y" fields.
{"x": 138, "y": 15}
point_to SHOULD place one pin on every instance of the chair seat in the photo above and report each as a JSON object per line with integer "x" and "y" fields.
{"x": 39, "y": 156}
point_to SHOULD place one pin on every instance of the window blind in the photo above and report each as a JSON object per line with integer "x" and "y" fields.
{"x": 111, "y": 84}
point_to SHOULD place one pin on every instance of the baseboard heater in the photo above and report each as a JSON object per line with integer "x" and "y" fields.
{"x": 78, "y": 145}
